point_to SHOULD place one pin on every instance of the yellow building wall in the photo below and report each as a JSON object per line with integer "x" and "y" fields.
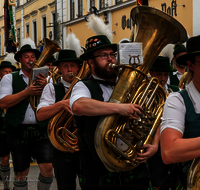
{"x": 117, "y": 24}
{"x": 184, "y": 14}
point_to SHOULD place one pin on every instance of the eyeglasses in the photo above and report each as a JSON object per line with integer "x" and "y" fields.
{"x": 105, "y": 56}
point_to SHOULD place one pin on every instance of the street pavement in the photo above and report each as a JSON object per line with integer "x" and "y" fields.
{"x": 33, "y": 178}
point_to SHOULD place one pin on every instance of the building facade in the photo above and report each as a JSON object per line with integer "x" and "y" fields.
{"x": 46, "y": 18}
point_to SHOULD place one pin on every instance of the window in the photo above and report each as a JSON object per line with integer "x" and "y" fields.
{"x": 17, "y": 3}
{"x": 19, "y": 37}
{"x": 71, "y": 9}
{"x": 44, "y": 28}
{"x": 102, "y": 4}
{"x": 0, "y": 45}
{"x": 92, "y": 3}
{"x": 27, "y": 30}
{"x": 80, "y": 8}
{"x": 35, "y": 32}
{"x": 54, "y": 24}
{"x": 118, "y": 1}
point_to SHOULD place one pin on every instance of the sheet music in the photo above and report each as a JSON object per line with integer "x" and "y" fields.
{"x": 129, "y": 53}
{"x": 44, "y": 70}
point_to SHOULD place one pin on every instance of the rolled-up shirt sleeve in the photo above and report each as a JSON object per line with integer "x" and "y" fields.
{"x": 174, "y": 113}
{"x": 47, "y": 97}
{"x": 6, "y": 86}
{"x": 79, "y": 91}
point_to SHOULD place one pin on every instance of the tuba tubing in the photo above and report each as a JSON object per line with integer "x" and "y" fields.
{"x": 155, "y": 29}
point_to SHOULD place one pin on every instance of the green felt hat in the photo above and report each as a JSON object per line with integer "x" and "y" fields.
{"x": 7, "y": 64}
{"x": 162, "y": 64}
{"x": 51, "y": 59}
{"x": 178, "y": 48}
{"x": 192, "y": 49}
{"x": 26, "y": 48}
{"x": 67, "y": 55}
{"x": 95, "y": 43}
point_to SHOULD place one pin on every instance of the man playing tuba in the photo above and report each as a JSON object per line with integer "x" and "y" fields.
{"x": 66, "y": 164}
{"x": 88, "y": 102}
{"x": 25, "y": 136}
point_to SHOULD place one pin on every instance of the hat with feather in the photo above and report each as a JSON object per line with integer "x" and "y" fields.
{"x": 72, "y": 53}
{"x": 9, "y": 61}
{"x": 27, "y": 45}
{"x": 102, "y": 39}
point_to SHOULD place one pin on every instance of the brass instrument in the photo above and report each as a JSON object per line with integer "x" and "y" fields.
{"x": 58, "y": 127}
{"x": 54, "y": 75}
{"x": 184, "y": 80}
{"x": 155, "y": 29}
{"x": 49, "y": 49}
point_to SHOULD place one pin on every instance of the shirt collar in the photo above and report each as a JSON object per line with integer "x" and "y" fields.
{"x": 66, "y": 84}
{"x": 22, "y": 73}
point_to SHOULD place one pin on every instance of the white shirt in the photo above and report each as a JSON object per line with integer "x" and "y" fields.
{"x": 48, "y": 94}
{"x": 174, "y": 109}
{"x": 178, "y": 74}
{"x": 6, "y": 89}
{"x": 81, "y": 91}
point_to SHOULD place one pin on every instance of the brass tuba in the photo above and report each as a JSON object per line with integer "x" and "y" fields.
{"x": 58, "y": 127}
{"x": 155, "y": 29}
{"x": 50, "y": 48}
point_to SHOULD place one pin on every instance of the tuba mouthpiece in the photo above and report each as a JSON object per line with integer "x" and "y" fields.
{"x": 112, "y": 65}
{"x": 31, "y": 62}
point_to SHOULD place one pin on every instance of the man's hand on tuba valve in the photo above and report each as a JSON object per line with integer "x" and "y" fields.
{"x": 131, "y": 110}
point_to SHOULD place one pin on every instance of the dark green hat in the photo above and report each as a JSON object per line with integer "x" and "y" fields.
{"x": 162, "y": 64}
{"x": 95, "y": 43}
{"x": 7, "y": 64}
{"x": 67, "y": 55}
{"x": 192, "y": 49}
{"x": 26, "y": 48}
{"x": 178, "y": 48}
{"x": 51, "y": 59}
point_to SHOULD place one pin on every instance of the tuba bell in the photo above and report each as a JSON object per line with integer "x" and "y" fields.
{"x": 155, "y": 29}
{"x": 50, "y": 48}
{"x": 58, "y": 127}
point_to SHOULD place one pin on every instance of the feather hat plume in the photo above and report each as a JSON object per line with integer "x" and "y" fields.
{"x": 73, "y": 43}
{"x": 28, "y": 41}
{"x": 10, "y": 57}
{"x": 99, "y": 27}
{"x": 168, "y": 51}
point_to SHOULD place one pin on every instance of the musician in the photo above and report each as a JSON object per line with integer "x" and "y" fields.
{"x": 49, "y": 63}
{"x": 66, "y": 165}
{"x": 158, "y": 170}
{"x": 161, "y": 69}
{"x": 180, "y": 134}
{"x": 6, "y": 67}
{"x": 25, "y": 136}
{"x": 88, "y": 102}
{"x": 175, "y": 77}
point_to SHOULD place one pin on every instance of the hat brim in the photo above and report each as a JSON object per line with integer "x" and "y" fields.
{"x": 86, "y": 55}
{"x": 79, "y": 61}
{"x": 182, "y": 60}
{"x": 8, "y": 66}
{"x": 18, "y": 54}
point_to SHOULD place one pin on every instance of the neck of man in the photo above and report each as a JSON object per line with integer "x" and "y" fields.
{"x": 26, "y": 73}
{"x": 196, "y": 84}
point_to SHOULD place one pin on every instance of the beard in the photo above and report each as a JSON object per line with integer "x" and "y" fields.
{"x": 105, "y": 72}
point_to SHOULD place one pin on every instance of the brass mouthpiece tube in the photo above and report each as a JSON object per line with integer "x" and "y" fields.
{"x": 70, "y": 74}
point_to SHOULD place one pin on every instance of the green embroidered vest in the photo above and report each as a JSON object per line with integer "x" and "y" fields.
{"x": 174, "y": 88}
{"x": 173, "y": 79}
{"x": 15, "y": 115}
{"x": 59, "y": 94}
